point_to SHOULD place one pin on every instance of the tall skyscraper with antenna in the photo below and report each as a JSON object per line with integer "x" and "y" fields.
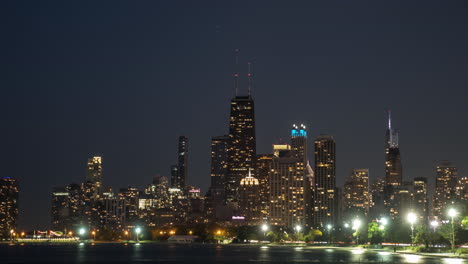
{"x": 242, "y": 143}
{"x": 393, "y": 168}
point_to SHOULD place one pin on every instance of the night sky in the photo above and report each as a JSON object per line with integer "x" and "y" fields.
{"x": 125, "y": 79}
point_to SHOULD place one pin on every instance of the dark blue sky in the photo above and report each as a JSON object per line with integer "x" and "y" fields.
{"x": 125, "y": 79}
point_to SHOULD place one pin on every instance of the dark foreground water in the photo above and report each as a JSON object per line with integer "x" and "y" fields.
{"x": 201, "y": 253}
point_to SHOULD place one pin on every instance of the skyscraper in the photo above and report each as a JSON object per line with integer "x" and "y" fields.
{"x": 356, "y": 193}
{"x": 179, "y": 172}
{"x": 445, "y": 187}
{"x": 420, "y": 197}
{"x": 9, "y": 194}
{"x": 250, "y": 200}
{"x": 242, "y": 144}
{"x": 94, "y": 171}
{"x": 299, "y": 141}
{"x": 325, "y": 180}
{"x": 183, "y": 161}
{"x": 289, "y": 190}
{"x": 393, "y": 168}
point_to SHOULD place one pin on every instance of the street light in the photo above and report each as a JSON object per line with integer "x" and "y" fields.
{"x": 329, "y": 227}
{"x": 126, "y": 234}
{"x": 264, "y": 229}
{"x": 137, "y": 231}
{"x": 82, "y": 232}
{"x": 383, "y": 222}
{"x": 356, "y": 225}
{"x": 94, "y": 235}
{"x": 434, "y": 224}
{"x": 298, "y": 228}
{"x": 453, "y": 213}
{"x": 412, "y": 219}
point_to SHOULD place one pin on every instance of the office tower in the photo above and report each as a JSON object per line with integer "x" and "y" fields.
{"x": 250, "y": 201}
{"x": 9, "y": 194}
{"x": 325, "y": 180}
{"x": 264, "y": 165}
{"x": 393, "y": 168}
{"x": 288, "y": 189}
{"x": 94, "y": 173}
{"x": 174, "y": 176}
{"x": 242, "y": 144}
{"x": 401, "y": 201}
{"x": 179, "y": 172}
{"x": 299, "y": 141}
{"x": 215, "y": 195}
{"x": 421, "y": 203}
{"x": 462, "y": 190}
{"x": 377, "y": 206}
{"x": 445, "y": 187}
{"x": 356, "y": 193}
{"x": 182, "y": 162}
{"x": 219, "y": 148}
{"x": 130, "y": 203}
{"x": 67, "y": 208}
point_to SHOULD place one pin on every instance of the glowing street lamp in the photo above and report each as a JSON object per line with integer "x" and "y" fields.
{"x": 453, "y": 213}
{"x": 137, "y": 232}
{"x": 434, "y": 224}
{"x": 94, "y": 234}
{"x": 298, "y": 228}
{"x": 264, "y": 229}
{"x": 383, "y": 222}
{"x": 356, "y": 225}
{"x": 329, "y": 228}
{"x": 412, "y": 219}
{"x": 82, "y": 232}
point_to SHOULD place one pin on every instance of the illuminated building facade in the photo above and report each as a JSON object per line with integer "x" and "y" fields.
{"x": 250, "y": 201}
{"x": 299, "y": 141}
{"x": 356, "y": 193}
{"x": 94, "y": 171}
{"x": 325, "y": 181}
{"x": 215, "y": 195}
{"x": 445, "y": 187}
{"x": 9, "y": 195}
{"x": 421, "y": 201}
{"x": 393, "y": 168}
{"x": 130, "y": 203}
{"x": 242, "y": 145}
{"x": 264, "y": 166}
{"x": 289, "y": 197}
{"x": 179, "y": 172}
{"x": 462, "y": 189}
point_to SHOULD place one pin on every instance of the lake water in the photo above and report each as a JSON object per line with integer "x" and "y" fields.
{"x": 201, "y": 253}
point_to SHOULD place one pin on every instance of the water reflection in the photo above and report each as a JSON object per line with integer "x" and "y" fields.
{"x": 412, "y": 258}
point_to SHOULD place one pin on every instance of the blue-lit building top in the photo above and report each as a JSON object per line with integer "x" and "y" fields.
{"x": 299, "y": 131}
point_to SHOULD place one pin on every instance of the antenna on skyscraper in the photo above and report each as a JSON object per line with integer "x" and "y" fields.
{"x": 389, "y": 119}
{"x": 236, "y": 73}
{"x": 250, "y": 77}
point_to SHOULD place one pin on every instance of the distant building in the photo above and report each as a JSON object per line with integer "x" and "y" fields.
{"x": 288, "y": 190}
{"x": 462, "y": 189}
{"x": 325, "y": 180}
{"x": 9, "y": 195}
{"x": 242, "y": 145}
{"x": 68, "y": 208}
{"x": 250, "y": 201}
{"x": 130, "y": 204}
{"x": 94, "y": 171}
{"x": 421, "y": 201}
{"x": 445, "y": 187}
{"x": 393, "y": 167}
{"x": 264, "y": 167}
{"x": 180, "y": 171}
{"x": 356, "y": 193}
{"x": 377, "y": 205}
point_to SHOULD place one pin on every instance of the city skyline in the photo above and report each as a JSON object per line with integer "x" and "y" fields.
{"x": 131, "y": 104}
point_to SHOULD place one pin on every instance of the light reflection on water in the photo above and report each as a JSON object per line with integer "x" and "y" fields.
{"x": 409, "y": 258}
{"x": 452, "y": 261}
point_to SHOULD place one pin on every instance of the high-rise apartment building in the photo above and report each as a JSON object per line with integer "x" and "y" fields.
{"x": 264, "y": 165}
{"x": 421, "y": 203}
{"x": 9, "y": 195}
{"x": 325, "y": 180}
{"x": 445, "y": 187}
{"x": 94, "y": 171}
{"x": 250, "y": 202}
{"x": 393, "y": 168}
{"x": 289, "y": 190}
{"x": 242, "y": 144}
{"x": 179, "y": 172}
{"x": 356, "y": 193}
{"x": 299, "y": 141}
{"x": 462, "y": 190}
{"x": 219, "y": 148}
